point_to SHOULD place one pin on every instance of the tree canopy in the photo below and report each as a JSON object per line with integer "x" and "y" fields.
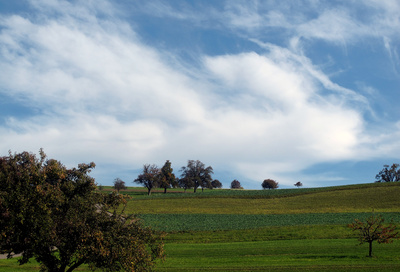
{"x": 167, "y": 177}
{"x": 216, "y": 183}
{"x": 389, "y": 174}
{"x": 372, "y": 229}
{"x": 119, "y": 184}
{"x": 269, "y": 184}
{"x": 197, "y": 174}
{"x": 149, "y": 177}
{"x": 55, "y": 215}
{"x": 298, "y": 184}
{"x": 235, "y": 184}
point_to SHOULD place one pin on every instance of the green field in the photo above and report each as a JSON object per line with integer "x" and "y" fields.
{"x": 266, "y": 230}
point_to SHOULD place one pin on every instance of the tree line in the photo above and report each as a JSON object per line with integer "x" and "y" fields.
{"x": 193, "y": 176}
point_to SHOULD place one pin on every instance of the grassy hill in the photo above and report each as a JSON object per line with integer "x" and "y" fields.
{"x": 267, "y": 230}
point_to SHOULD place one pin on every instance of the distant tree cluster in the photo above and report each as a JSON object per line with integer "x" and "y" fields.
{"x": 389, "y": 173}
{"x": 193, "y": 176}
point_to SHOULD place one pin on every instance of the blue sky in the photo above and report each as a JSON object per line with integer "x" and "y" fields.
{"x": 291, "y": 90}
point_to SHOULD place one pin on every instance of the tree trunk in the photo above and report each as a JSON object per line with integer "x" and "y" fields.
{"x": 165, "y": 190}
{"x": 148, "y": 191}
{"x": 370, "y": 249}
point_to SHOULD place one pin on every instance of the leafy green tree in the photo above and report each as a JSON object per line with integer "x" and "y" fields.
{"x": 269, "y": 184}
{"x": 197, "y": 174}
{"x": 235, "y": 184}
{"x": 216, "y": 183}
{"x": 119, "y": 184}
{"x": 185, "y": 183}
{"x": 55, "y": 215}
{"x": 167, "y": 177}
{"x": 372, "y": 229}
{"x": 149, "y": 178}
{"x": 389, "y": 174}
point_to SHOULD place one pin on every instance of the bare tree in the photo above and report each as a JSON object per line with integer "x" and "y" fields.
{"x": 119, "y": 184}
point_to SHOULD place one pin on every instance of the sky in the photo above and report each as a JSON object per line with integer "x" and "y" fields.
{"x": 289, "y": 90}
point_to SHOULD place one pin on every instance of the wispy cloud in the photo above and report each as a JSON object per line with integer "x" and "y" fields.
{"x": 105, "y": 95}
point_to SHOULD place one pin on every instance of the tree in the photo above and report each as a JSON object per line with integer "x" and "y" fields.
{"x": 167, "y": 178}
{"x": 119, "y": 184}
{"x": 216, "y": 183}
{"x": 185, "y": 183}
{"x": 389, "y": 174}
{"x": 235, "y": 184}
{"x": 55, "y": 215}
{"x": 198, "y": 174}
{"x": 269, "y": 184}
{"x": 372, "y": 229}
{"x": 298, "y": 184}
{"x": 149, "y": 177}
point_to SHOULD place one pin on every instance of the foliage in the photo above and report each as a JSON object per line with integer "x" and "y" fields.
{"x": 119, "y": 184}
{"x": 269, "y": 184}
{"x": 235, "y": 184}
{"x": 167, "y": 177}
{"x": 54, "y": 215}
{"x": 387, "y": 174}
{"x": 149, "y": 177}
{"x": 372, "y": 229}
{"x": 298, "y": 184}
{"x": 185, "y": 183}
{"x": 198, "y": 174}
{"x": 216, "y": 184}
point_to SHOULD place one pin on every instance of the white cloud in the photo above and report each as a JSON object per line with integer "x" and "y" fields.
{"x": 107, "y": 97}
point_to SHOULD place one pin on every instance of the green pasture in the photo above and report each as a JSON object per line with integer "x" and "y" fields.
{"x": 265, "y": 230}
{"x": 378, "y": 198}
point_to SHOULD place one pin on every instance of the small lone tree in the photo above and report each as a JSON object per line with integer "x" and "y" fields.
{"x": 235, "y": 184}
{"x": 298, "y": 184}
{"x": 119, "y": 184}
{"x": 389, "y": 174}
{"x": 167, "y": 177}
{"x": 216, "y": 183}
{"x": 269, "y": 184}
{"x": 372, "y": 229}
{"x": 149, "y": 177}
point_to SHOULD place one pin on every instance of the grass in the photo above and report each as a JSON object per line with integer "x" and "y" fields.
{"x": 280, "y": 255}
{"x": 378, "y": 198}
{"x": 265, "y": 230}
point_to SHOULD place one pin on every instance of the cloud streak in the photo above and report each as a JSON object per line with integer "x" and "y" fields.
{"x": 102, "y": 94}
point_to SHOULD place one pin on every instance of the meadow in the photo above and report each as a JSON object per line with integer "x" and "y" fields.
{"x": 266, "y": 230}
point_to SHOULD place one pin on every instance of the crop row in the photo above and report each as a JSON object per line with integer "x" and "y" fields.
{"x": 213, "y": 222}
